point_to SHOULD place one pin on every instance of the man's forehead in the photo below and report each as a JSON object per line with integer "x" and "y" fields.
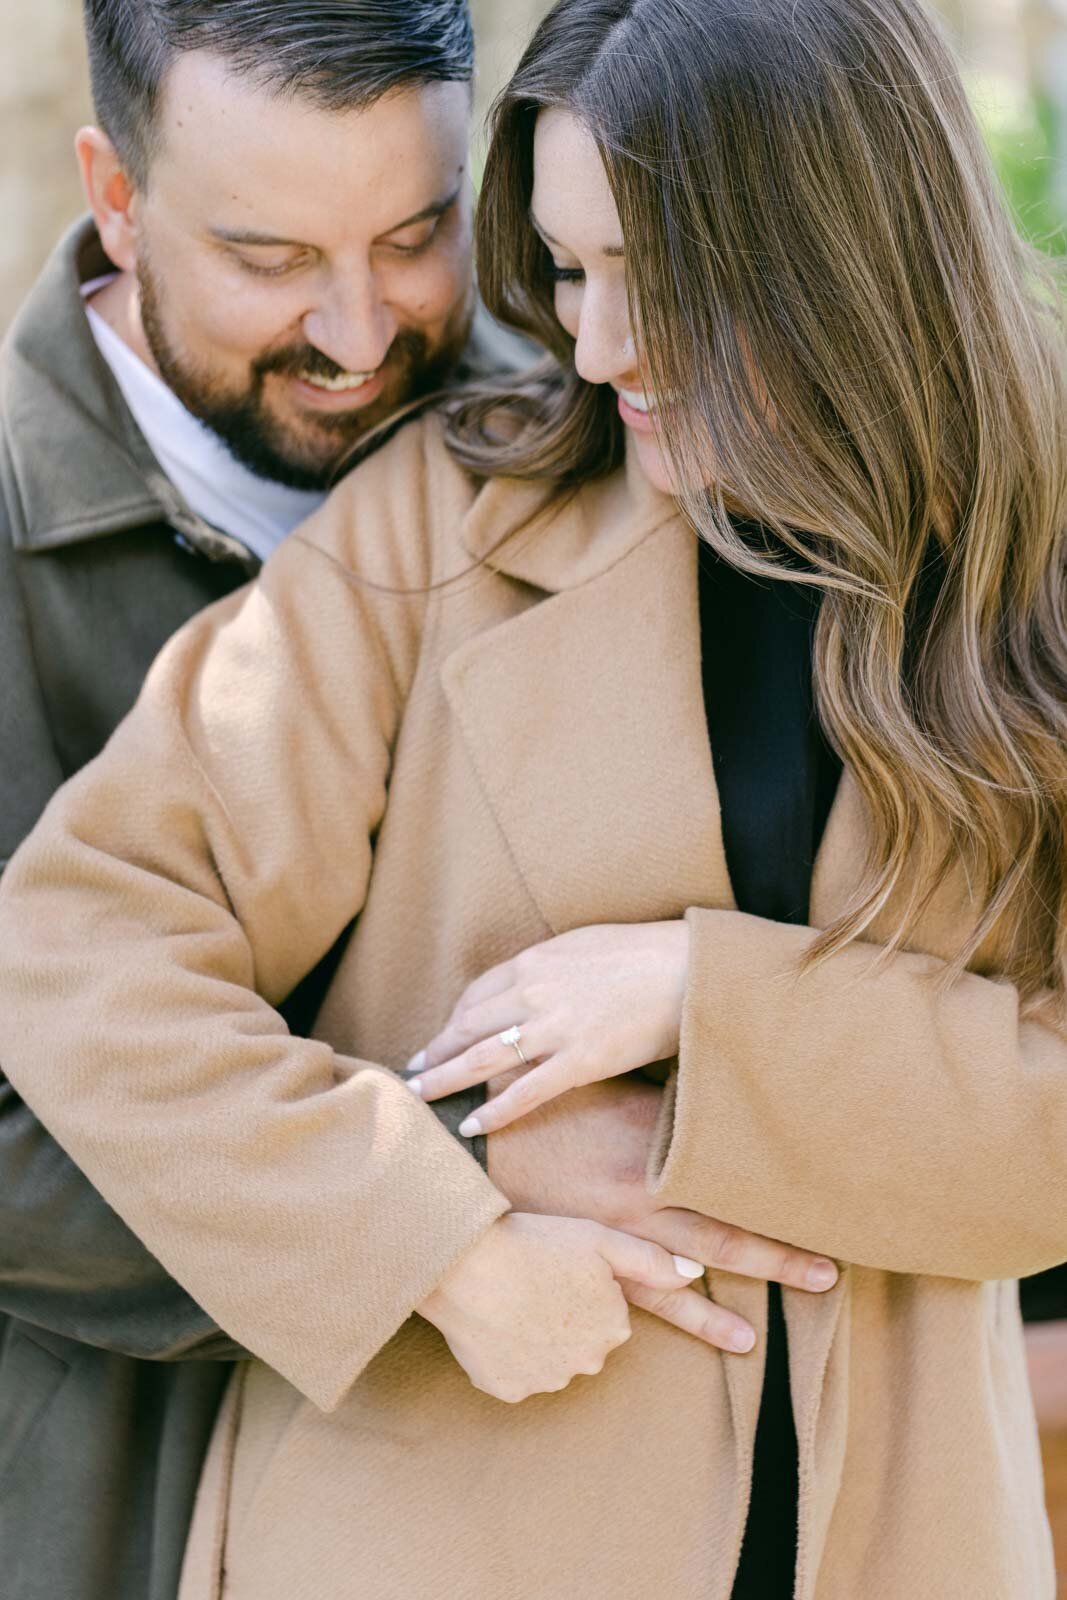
{"x": 236, "y": 154}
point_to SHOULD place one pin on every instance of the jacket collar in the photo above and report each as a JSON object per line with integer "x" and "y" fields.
{"x": 559, "y": 540}
{"x": 52, "y": 377}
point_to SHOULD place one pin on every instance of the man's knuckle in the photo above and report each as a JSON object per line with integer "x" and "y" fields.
{"x": 655, "y": 1300}
{"x": 729, "y": 1245}
{"x": 793, "y": 1265}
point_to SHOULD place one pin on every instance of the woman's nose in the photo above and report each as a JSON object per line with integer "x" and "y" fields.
{"x": 604, "y": 349}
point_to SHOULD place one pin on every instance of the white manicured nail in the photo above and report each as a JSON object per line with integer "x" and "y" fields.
{"x": 686, "y": 1268}
{"x": 415, "y": 1085}
{"x": 417, "y": 1062}
{"x": 469, "y": 1128}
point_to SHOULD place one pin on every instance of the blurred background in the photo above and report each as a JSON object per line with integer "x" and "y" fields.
{"x": 1014, "y": 54}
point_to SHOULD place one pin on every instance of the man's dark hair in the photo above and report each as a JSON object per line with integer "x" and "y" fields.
{"x": 340, "y": 55}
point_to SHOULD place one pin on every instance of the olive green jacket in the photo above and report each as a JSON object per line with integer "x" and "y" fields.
{"x": 110, "y": 1375}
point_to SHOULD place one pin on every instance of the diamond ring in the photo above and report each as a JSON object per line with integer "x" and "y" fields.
{"x": 513, "y": 1037}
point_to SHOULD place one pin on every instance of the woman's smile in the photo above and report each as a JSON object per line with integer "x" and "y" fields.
{"x": 636, "y": 410}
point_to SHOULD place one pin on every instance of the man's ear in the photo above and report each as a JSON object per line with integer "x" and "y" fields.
{"x": 111, "y": 195}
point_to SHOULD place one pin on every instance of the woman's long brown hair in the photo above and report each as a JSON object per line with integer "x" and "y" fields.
{"x": 828, "y": 289}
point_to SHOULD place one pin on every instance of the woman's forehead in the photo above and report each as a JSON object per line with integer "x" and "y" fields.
{"x": 572, "y": 199}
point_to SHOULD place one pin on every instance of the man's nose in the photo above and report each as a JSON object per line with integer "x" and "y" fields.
{"x": 353, "y": 324}
{"x": 604, "y": 348}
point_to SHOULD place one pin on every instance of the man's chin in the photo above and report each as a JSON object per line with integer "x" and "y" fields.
{"x": 312, "y": 450}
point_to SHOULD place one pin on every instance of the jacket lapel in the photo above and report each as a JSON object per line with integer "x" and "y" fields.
{"x": 584, "y": 717}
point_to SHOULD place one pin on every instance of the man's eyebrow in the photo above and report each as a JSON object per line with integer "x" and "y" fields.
{"x": 436, "y": 209}
{"x": 613, "y": 251}
{"x": 250, "y": 236}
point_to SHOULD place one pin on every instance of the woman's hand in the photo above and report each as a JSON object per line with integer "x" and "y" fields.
{"x": 588, "y": 1005}
{"x": 537, "y": 1301}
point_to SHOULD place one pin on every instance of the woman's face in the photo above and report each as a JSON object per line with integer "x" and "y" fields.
{"x": 574, "y": 211}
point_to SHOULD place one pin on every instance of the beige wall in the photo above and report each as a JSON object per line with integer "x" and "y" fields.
{"x": 43, "y": 100}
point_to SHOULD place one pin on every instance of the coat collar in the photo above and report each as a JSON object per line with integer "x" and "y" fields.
{"x": 55, "y": 384}
{"x": 557, "y": 540}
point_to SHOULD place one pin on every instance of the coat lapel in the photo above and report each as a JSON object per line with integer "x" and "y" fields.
{"x": 584, "y": 718}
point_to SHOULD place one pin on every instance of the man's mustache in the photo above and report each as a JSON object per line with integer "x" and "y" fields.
{"x": 305, "y": 361}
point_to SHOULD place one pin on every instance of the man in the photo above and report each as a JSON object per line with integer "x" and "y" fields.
{"x": 278, "y": 261}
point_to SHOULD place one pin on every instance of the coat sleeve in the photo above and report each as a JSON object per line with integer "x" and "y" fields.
{"x": 862, "y": 1111}
{"x": 67, "y": 1262}
{"x": 179, "y": 887}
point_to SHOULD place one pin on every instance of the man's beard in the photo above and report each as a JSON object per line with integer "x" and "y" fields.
{"x": 270, "y": 447}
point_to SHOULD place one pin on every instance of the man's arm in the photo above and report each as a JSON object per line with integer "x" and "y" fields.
{"x": 67, "y": 1262}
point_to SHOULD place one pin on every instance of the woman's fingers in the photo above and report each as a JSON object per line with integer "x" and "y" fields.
{"x": 486, "y": 1059}
{"x": 491, "y": 985}
{"x": 470, "y": 1023}
{"x": 535, "y": 1088}
{"x": 693, "y": 1313}
{"x": 641, "y": 1261}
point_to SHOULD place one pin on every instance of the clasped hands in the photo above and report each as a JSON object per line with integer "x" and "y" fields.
{"x": 544, "y": 1295}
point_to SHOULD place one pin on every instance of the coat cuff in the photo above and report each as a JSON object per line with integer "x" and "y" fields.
{"x": 443, "y": 1204}
{"x": 718, "y": 1148}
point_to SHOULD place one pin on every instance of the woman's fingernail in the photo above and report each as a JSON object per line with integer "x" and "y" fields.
{"x": 822, "y": 1275}
{"x": 687, "y": 1268}
{"x": 743, "y": 1340}
{"x": 415, "y": 1085}
{"x": 470, "y": 1128}
{"x": 417, "y": 1062}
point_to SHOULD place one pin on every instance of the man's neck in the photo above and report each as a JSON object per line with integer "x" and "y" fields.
{"x": 118, "y": 303}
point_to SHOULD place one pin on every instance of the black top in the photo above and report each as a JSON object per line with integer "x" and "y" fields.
{"x": 776, "y": 777}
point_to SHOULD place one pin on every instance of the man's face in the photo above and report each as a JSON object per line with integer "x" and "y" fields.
{"x": 302, "y": 272}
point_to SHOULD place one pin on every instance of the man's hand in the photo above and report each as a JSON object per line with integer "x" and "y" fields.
{"x": 587, "y": 1156}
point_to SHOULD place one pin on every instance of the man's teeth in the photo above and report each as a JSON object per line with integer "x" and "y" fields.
{"x": 338, "y": 385}
{"x": 637, "y": 400}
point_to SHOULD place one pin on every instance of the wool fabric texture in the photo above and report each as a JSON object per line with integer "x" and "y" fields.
{"x": 470, "y": 767}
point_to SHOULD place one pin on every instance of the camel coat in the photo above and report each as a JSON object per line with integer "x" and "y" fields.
{"x": 471, "y": 769}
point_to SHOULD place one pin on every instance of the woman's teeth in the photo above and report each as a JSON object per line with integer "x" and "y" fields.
{"x": 338, "y": 385}
{"x": 637, "y": 400}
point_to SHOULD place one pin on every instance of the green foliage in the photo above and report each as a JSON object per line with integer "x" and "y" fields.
{"x": 1026, "y": 137}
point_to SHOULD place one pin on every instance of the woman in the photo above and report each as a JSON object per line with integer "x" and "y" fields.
{"x": 786, "y": 310}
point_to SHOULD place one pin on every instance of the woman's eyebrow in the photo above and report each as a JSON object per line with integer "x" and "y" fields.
{"x": 614, "y": 251}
